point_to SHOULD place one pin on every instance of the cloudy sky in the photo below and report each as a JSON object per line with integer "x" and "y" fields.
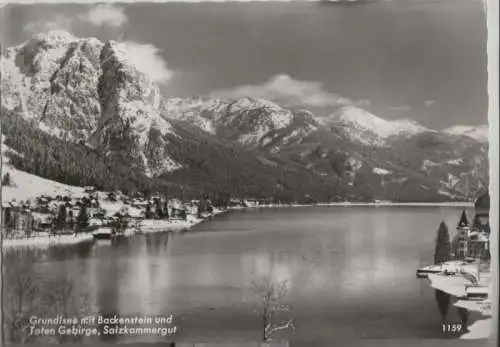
{"x": 423, "y": 60}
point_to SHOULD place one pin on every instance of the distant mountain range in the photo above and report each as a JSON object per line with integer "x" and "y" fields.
{"x": 93, "y": 118}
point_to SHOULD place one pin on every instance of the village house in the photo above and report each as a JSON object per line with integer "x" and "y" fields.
{"x": 471, "y": 239}
{"x": 89, "y": 189}
{"x": 111, "y": 197}
{"x": 43, "y": 221}
{"x": 251, "y": 202}
{"x": 44, "y": 212}
{"x": 235, "y": 202}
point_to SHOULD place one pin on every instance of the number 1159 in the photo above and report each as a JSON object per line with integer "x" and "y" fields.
{"x": 452, "y": 328}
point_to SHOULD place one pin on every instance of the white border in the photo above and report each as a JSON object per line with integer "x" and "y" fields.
{"x": 492, "y": 8}
{"x": 493, "y": 115}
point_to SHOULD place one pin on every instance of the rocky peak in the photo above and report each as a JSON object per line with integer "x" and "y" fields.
{"x": 51, "y": 80}
{"x": 84, "y": 90}
{"x": 368, "y": 129}
{"x": 131, "y": 120}
{"x": 54, "y": 37}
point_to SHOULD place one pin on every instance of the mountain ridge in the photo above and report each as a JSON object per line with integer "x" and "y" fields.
{"x": 87, "y": 92}
{"x": 479, "y": 132}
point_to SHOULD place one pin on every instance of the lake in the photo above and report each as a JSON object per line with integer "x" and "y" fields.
{"x": 350, "y": 271}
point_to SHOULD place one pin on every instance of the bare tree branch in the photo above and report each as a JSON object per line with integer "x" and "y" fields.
{"x": 271, "y": 294}
{"x": 283, "y": 326}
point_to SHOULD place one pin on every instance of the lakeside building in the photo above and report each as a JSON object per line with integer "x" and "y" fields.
{"x": 251, "y": 202}
{"x": 471, "y": 239}
{"x": 50, "y": 215}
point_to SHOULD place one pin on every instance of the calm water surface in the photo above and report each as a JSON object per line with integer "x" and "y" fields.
{"x": 351, "y": 271}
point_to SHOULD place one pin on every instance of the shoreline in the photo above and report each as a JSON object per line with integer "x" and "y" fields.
{"x": 154, "y": 226}
{"x": 148, "y": 226}
{"x": 375, "y": 204}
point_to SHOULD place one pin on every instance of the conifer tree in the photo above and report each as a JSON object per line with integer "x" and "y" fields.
{"x": 61, "y": 218}
{"x": 159, "y": 212}
{"x": 443, "y": 246}
{"x": 70, "y": 217}
{"x": 83, "y": 218}
{"x": 6, "y": 179}
{"x": 148, "y": 211}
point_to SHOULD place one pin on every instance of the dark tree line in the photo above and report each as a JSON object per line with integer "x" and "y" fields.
{"x": 70, "y": 163}
{"x": 209, "y": 165}
{"x": 76, "y": 164}
{"x": 225, "y": 169}
{"x": 443, "y": 245}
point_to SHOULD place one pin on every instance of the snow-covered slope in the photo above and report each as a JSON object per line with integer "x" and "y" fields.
{"x": 364, "y": 127}
{"x": 200, "y": 112}
{"x": 24, "y": 186}
{"x": 251, "y": 122}
{"x": 85, "y": 90}
{"x": 479, "y": 133}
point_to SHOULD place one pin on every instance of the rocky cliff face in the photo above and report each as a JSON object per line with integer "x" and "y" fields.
{"x": 84, "y": 90}
{"x": 131, "y": 123}
{"x": 89, "y": 92}
{"x": 52, "y": 79}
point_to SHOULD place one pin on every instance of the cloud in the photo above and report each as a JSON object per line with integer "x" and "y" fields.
{"x": 402, "y": 108}
{"x": 429, "y": 103}
{"x": 284, "y": 89}
{"x": 106, "y": 15}
{"x": 101, "y": 15}
{"x": 59, "y": 22}
{"x": 147, "y": 59}
{"x": 362, "y": 103}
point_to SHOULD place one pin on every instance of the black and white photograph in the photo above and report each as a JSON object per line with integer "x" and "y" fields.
{"x": 254, "y": 173}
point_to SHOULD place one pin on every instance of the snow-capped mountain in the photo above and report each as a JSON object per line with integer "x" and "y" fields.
{"x": 253, "y": 123}
{"x": 87, "y": 91}
{"x": 369, "y": 129}
{"x": 52, "y": 79}
{"x": 84, "y": 100}
{"x": 198, "y": 111}
{"x": 479, "y": 133}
